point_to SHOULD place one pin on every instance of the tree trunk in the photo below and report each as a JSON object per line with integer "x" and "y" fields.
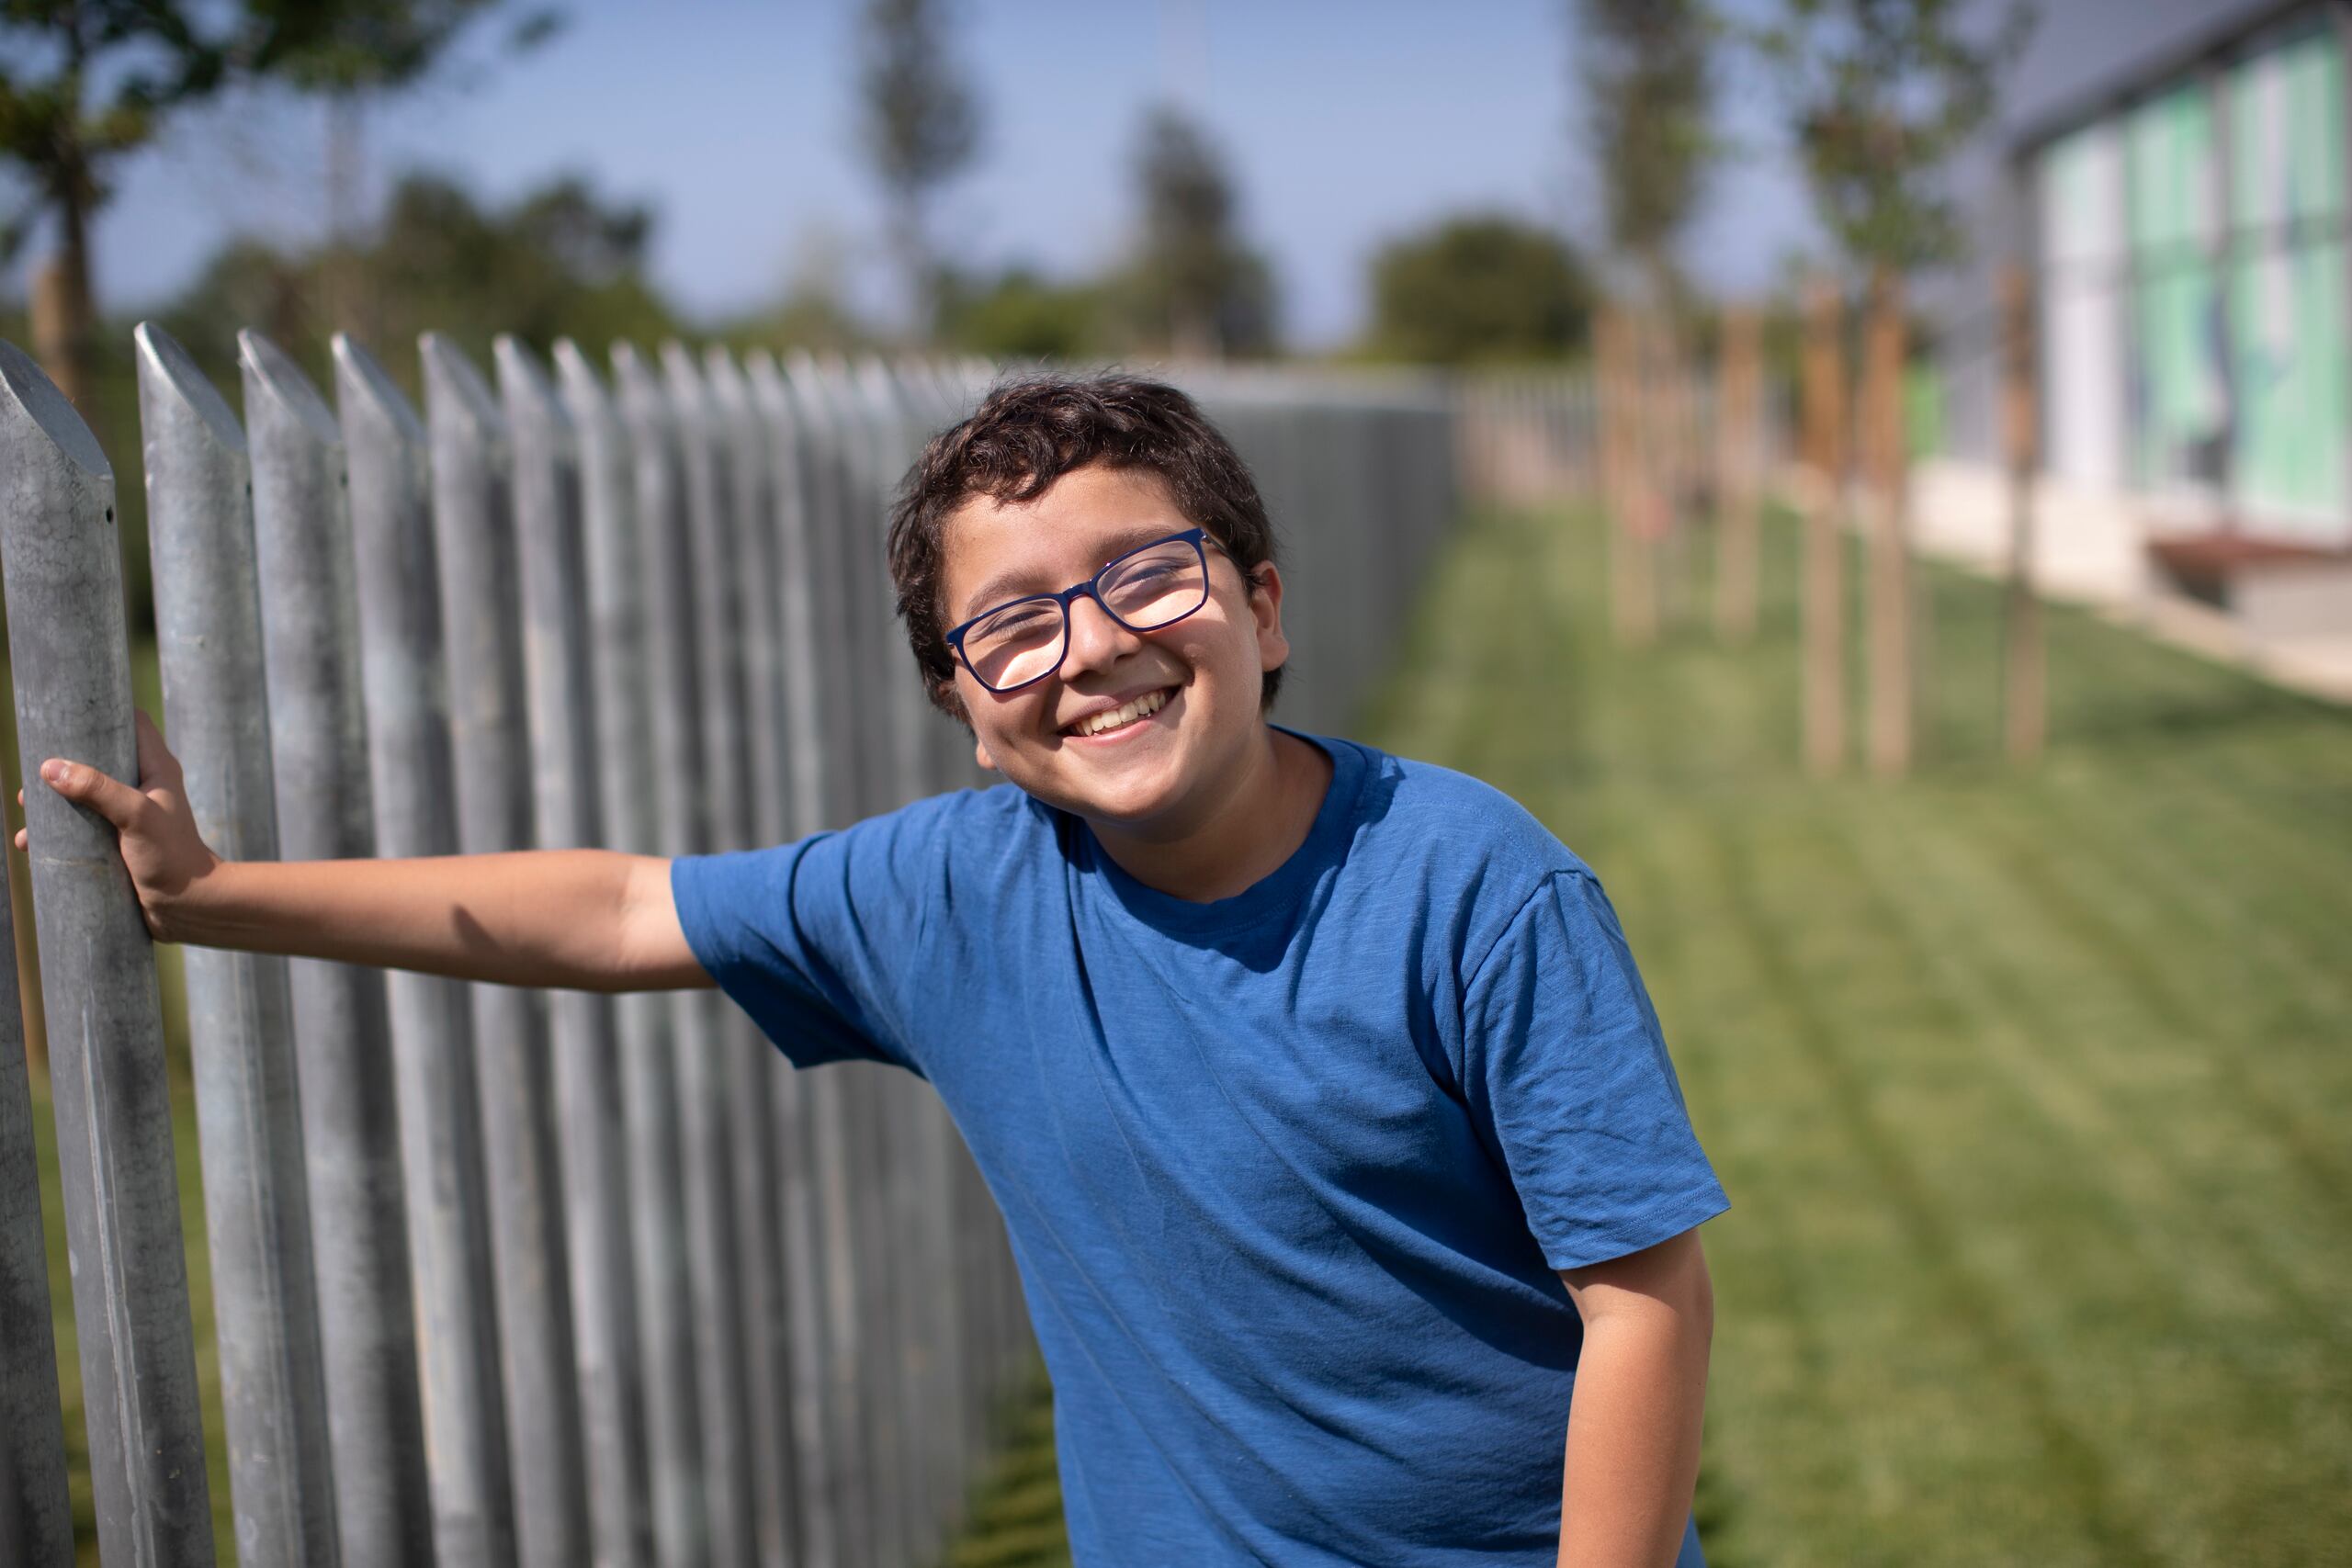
{"x": 1644, "y": 503}
{"x": 1824, "y": 608}
{"x": 1891, "y": 670}
{"x": 20, "y": 901}
{"x": 63, "y": 334}
{"x": 344, "y": 302}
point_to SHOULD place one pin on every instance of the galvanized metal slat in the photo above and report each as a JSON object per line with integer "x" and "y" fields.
{"x": 551, "y": 561}
{"x": 619, "y": 615}
{"x": 310, "y": 610}
{"x": 71, "y": 662}
{"x": 414, "y": 803}
{"x": 207, "y": 629}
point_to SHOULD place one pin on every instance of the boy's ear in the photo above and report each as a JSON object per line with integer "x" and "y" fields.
{"x": 1266, "y": 610}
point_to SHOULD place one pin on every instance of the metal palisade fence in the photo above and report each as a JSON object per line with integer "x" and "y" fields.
{"x": 501, "y": 1275}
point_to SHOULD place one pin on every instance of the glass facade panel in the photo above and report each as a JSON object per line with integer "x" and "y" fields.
{"x": 2288, "y": 288}
{"x": 2179, "y": 394}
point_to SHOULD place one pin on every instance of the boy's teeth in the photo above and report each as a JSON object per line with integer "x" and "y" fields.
{"x": 1126, "y": 713}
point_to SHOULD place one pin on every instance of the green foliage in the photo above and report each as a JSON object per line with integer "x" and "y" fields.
{"x": 1881, "y": 94}
{"x": 353, "y": 45}
{"x": 1648, "y": 82}
{"x": 561, "y": 261}
{"x": 1192, "y": 286}
{"x": 1480, "y": 288}
{"x": 156, "y": 55}
{"x": 153, "y": 57}
{"x": 1020, "y": 314}
{"x": 921, "y": 126}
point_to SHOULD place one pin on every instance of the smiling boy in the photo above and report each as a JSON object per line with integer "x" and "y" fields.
{"x": 1340, "y": 1155}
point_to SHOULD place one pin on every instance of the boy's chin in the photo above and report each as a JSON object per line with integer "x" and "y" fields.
{"x": 1129, "y": 798}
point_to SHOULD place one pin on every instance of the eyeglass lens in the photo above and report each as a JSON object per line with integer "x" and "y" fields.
{"x": 1156, "y": 585}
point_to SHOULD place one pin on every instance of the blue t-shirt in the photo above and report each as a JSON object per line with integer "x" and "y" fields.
{"x": 1288, "y": 1175}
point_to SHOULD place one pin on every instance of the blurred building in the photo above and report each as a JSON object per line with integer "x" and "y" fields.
{"x": 2173, "y": 178}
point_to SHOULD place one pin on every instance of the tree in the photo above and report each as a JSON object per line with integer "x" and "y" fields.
{"x": 561, "y": 261}
{"x": 64, "y": 134}
{"x": 1020, "y": 314}
{"x": 1194, "y": 289}
{"x": 1649, "y": 83}
{"x": 1479, "y": 288}
{"x": 344, "y": 51}
{"x": 85, "y": 82}
{"x": 1880, "y": 94}
{"x": 922, "y": 127}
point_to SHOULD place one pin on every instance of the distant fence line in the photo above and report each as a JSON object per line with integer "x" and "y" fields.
{"x": 506, "y": 1276}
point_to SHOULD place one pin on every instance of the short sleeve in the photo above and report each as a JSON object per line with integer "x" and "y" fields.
{"x": 808, "y": 938}
{"x": 1566, "y": 1074}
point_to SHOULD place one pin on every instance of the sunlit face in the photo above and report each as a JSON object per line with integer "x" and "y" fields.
{"x": 1160, "y": 774}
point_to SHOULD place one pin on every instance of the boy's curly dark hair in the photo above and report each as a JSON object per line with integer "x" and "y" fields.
{"x": 1026, "y": 435}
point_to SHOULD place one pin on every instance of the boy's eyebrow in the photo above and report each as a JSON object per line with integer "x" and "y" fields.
{"x": 1013, "y": 581}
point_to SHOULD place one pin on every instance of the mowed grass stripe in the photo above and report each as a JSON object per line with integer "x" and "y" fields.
{"x": 2184, "y": 989}
{"x": 1937, "y": 1141}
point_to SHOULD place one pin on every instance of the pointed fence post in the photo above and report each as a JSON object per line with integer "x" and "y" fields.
{"x": 739, "y": 439}
{"x": 683, "y": 812}
{"x": 36, "y": 1519}
{"x": 626, "y": 764}
{"x": 866, "y": 1097}
{"x": 551, "y": 561}
{"x": 838, "y": 1097}
{"x": 207, "y": 629}
{"x": 414, "y": 803}
{"x": 711, "y": 1085}
{"x": 473, "y": 528}
{"x": 70, "y": 661}
{"x": 310, "y": 615}
{"x": 789, "y": 805}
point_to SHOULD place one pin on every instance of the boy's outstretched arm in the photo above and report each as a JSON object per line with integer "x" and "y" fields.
{"x": 1641, "y": 1389}
{"x": 591, "y": 919}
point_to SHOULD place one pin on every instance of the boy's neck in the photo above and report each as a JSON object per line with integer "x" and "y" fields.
{"x": 1260, "y": 824}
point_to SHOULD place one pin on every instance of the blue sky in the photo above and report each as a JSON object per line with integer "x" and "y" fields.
{"x": 1346, "y": 121}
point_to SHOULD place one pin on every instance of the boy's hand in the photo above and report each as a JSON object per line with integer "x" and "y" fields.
{"x": 164, "y": 853}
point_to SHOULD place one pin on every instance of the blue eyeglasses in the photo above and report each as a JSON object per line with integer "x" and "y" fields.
{"x": 1022, "y": 641}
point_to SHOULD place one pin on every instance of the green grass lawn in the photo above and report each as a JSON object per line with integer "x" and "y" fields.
{"x": 2030, "y": 1092}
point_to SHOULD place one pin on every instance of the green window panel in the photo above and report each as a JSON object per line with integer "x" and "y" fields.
{"x": 2288, "y": 456}
{"x": 2286, "y": 134}
{"x": 2288, "y": 327}
{"x": 2179, "y": 395}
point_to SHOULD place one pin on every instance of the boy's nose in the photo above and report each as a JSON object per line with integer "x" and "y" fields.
{"x": 1096, "y": 641}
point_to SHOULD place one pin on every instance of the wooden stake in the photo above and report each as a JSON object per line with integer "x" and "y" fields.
{"x": 1880, "y": 421}
{"x": 1738, "y": 451}
{"x": 1825, "y": 426}
{"x": 2024, "y": 703}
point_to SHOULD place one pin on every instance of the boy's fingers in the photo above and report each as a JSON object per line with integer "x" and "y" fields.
{"x": 85, "y": 785}
{"x": 156, "y": 764}
{"x": 21, "y": 843}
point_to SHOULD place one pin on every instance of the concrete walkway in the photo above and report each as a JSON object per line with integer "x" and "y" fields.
{"x": 2090, "y": 548}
